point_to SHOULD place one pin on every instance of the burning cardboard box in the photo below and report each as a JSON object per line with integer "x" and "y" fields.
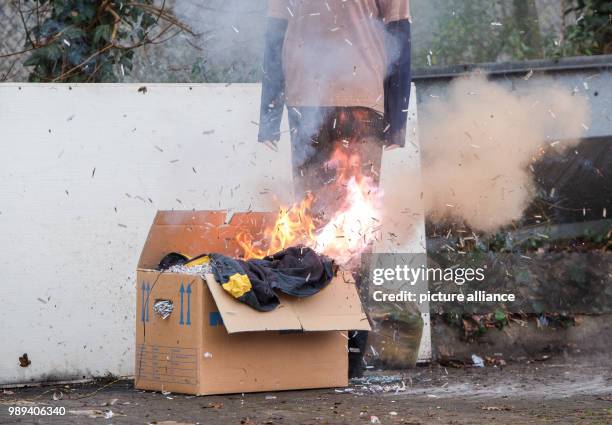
{"x": 212, "y": 344}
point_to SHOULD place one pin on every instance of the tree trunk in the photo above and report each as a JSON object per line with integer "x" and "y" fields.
{"x": 526, "y": 19}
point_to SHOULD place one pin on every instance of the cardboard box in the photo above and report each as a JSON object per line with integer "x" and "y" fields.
{"x": 214, "y": 344}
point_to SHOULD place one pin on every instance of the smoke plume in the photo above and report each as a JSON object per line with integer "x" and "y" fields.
{"x": 478, "y": 144}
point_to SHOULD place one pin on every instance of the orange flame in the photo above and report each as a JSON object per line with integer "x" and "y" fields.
{"x": 351, "y": 229}
{"x": 293, "y": 225}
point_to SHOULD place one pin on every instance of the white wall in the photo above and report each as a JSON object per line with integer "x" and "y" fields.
{"x": 70, "y": 239}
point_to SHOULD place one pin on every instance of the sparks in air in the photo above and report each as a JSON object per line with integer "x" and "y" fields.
{"x": 348, "y": 231}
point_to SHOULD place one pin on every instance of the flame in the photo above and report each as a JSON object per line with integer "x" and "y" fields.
{"x": 293, "y": 225}
{"x": 353, "y": 228}
{"x": 350, "y": 230}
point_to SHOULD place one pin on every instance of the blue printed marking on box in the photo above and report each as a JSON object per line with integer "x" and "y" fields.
{"x": 215, "y": 319}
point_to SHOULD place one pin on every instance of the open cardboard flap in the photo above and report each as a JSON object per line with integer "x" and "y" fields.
{"x": 335, "y": 308}
{"x": 197, "y": 232}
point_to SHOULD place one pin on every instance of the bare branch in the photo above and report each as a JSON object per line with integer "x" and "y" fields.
{"x": 82, "y": 64}
{"x": 25, "y": 25}
{"x": 164, "y": 15}
{"x": 106, "y": 7}
{"x": 8, "y": 73}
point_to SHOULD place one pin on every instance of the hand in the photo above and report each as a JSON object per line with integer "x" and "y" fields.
{"x": 391, "y": 147}
{"x": 271, "y": 144}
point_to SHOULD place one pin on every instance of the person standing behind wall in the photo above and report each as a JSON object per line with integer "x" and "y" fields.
{"x": 342, "y": 68}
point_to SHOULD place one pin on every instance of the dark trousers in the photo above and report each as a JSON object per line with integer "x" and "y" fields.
{"x": 330, "y": 145}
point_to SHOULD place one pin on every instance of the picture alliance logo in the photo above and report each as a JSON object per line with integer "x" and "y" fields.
{"x": 417, "y": 277}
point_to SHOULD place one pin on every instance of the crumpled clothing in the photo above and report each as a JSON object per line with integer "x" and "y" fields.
{"x": 298, "y": 271}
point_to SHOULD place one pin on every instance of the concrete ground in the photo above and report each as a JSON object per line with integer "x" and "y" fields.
{"x": 559, "y": 391}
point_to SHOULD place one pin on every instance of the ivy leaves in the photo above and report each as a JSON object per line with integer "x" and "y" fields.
{"x": 474, "y": 31}
{"x": 591, "y": 34}
{"x": 87, "y": 40}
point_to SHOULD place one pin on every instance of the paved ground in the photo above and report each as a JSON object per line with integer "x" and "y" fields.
{"x": 553, "y": 391}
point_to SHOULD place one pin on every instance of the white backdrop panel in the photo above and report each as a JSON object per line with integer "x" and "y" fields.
{"x": 83, "y": 170}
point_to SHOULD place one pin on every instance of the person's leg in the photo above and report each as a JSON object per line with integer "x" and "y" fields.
{"x": 367, "y": 142}
{"x": 329, "y": 147}
{"x": 310, "y": 148}
{"x": 362, "y": 128}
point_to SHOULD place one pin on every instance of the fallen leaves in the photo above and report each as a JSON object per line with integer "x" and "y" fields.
{"x": 496, "y": 408}
{"x": 24, "y": 361}
{"x": 213, "y": 405}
